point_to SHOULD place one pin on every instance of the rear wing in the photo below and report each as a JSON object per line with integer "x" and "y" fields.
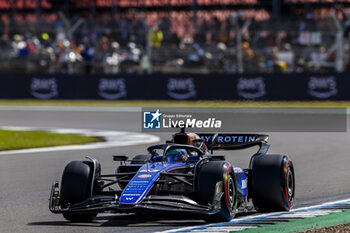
{"x": 223, "y": 141}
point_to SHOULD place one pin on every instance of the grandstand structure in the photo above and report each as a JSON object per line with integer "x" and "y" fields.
{"x": 273, "y": 6}
{"x": 199, "y": 36}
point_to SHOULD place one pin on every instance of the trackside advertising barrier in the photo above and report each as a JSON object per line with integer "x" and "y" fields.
{"x": 297, "y": 86}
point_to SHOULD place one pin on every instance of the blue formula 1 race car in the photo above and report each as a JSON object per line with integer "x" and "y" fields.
{"x": 180, "y": 176}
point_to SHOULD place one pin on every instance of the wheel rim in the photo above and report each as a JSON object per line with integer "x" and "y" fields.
{"x": 231, "y": 193}
{"x": 290, "y": 184}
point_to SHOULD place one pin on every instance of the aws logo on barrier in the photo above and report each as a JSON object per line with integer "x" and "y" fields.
{"x": 43, "y": 88}
{"x": 181, "y": 88}
{"x": 112, "y": 89}
{"x": 251, "y": 88}
{"x": 322, "y": 87}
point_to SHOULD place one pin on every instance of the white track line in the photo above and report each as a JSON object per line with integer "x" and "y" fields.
{"x": 112, "y": 139}
{"x": 294, "y": 212}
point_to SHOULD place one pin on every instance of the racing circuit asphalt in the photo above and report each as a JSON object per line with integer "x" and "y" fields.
{"x": 321, "y": 160}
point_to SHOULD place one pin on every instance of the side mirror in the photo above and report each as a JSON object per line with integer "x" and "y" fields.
{"x": 121, "y": 158}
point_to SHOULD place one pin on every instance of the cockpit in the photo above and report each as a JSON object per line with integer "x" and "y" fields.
{"x": 189, "y": 139}
{"x": 176, "y": 155}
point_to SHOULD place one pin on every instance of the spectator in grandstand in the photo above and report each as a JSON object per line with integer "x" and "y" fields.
{"x": 140, "y": 30}
{"x": 164, "y": 26}
{"x": 156, "y": 38}
{"x": 88, "y": 58}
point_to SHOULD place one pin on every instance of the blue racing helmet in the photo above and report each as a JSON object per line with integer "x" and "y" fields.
{"x": 176, "y": 155}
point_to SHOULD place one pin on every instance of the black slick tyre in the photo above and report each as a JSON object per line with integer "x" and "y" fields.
{"x": 210, "y": 174}
{"x": 272, "y": 183}
{"x": 76, "y": 187}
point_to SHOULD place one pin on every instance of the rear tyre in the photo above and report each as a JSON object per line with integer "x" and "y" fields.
{"x": 273, "y": 183}
{"x": 76, "y": 187}
{"x": 210, "y": 174}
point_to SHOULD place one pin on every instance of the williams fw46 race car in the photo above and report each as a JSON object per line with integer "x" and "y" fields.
{"x": 180, "y": 176}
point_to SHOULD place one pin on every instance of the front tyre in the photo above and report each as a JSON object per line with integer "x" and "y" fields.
{"x": 216, "y": 175}
{"x": 76, "y": 187}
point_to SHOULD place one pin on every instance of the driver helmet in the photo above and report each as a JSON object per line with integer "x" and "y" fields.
{"x": 176, "y": 155}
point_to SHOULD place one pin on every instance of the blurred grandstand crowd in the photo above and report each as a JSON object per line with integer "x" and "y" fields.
{"x": 201, "y": 41}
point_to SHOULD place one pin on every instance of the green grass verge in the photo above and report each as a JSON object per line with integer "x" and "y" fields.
{"x": 13, "y": 139}
{"x": 331, "y": 219}
{"x": 174, "y": 103}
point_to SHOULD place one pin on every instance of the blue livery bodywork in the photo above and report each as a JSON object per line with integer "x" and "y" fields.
{"x": 143, "y": 181}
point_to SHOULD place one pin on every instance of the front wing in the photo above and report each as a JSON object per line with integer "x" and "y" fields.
{"x": 152, "y": 203}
